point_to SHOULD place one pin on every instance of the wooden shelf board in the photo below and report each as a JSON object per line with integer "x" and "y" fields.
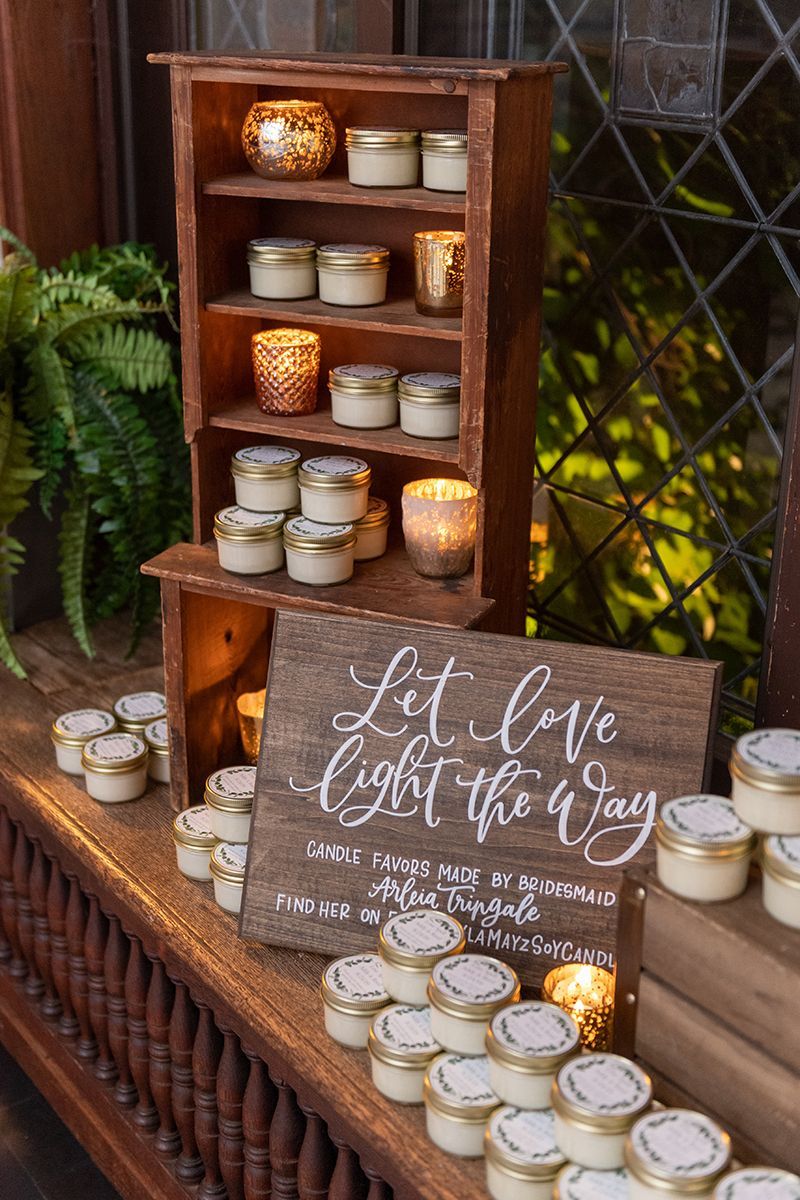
{"x": 333, "y": 189}
{"x": 388, "y": 587}
{"x": 396, "y": 315}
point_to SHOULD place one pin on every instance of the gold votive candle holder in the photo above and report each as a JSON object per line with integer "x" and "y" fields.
{"x": 440, "y": 517}
{"x": 439, "y": 272}
{"x": 587, "y": 994}
{"x": 250, "y": 711}
{"x": 288, "y": 139}
{"x": 286, "y": 371}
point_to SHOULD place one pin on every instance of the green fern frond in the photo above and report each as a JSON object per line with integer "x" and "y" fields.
{"x": 74, "y": 320}
{"x": 58, "y": 287}
{"x": 129, "y": 358}
{"x": 74, "y": 543}
{"x": 21, "y": 249}
{"x": 17, "y": 475}
{"x": 18, "y": 309}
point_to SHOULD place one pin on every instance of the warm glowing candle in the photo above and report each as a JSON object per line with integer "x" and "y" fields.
{"x": 439, "y": 521}
{"x": 288, "y": 139}
{"x": 587, "y": 994}
{"x": 286, "y": 371}
{"x": 250, "y": 710}
{"x": 439, "y": 272}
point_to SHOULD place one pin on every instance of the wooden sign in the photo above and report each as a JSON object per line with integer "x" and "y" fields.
{"x": 503, "y": 780}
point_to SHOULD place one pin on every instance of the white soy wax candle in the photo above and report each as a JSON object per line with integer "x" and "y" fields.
{"x": 597, "y": 1098}
{"x": 352, "y": 995}
{"x": 582, "y": 1183}
{"x": 156, "y": 735}
{"x": 522, "y": 1158}
{"x": 136, "y": 710}
{"x": 458, "y": 1103}
{"x": 249, "y": 543}
{"x": 401, "y": 1048}
{"x": 265, "y": 478}
{"x": 382, "y": 156}
{"x": 115, "y": 767}
{"x": 72, "y": 730}
{"x": 282, "y": 268}
{"x": 444, "y": 160}
{"x": 318, "y": 554}
{"x": 229, "y": 795}
{"x": 765, "y": 778}
{"x": 527, "y": 1045}
{"x": 759, "y": 1183}
{"x": 227, "y": 864}
{"x": 194, "y": 840}
{"x": 430, "y": 404}
{"x": 363, "y": 395}
{"x": 676, "y": 1152}
{"x": 334, "y": 488}
{"x": 410, "y": 945}
{"x": 464, "y": 994}
{"x": 780, "y": 879}
{"x": 372, "y": 531}
{"x": 703, "y": 850}
{"x": 352, "y": 275}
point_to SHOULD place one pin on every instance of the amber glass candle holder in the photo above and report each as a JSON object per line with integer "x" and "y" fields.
{"x": 440, "y": 517}
{"x": 286, "y": 371}
{"x": 587, "y": 994}
{"x": 288, "y": 139}
{"x": 250, "y": 711}
{"x": 439, "y": 272}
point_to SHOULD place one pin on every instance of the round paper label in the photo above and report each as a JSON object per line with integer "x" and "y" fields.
{"x": 422, "y": 932}
{"x": 462, "y": 1080}
{"x": 307, "y": 528}
{"x": 156, "y": 733}
{"x": 357, "y": 977}
{"x": 535, "y": 1029}
{"x": 702, "y": 818}
{"x": 352, "y": 248}
{"x": 270, "y": 456}
{"x": 772, "y": 749}
{"x": 197, "y": 822}
{"x": 84, "y": 722}
{"x": 786, "y": 850}
{"x": 138, "y": 705}
{"x": 232, "y": 855}
{"x": 579, "y": 1183}
{"x": 233, "y": 783}
{"x": 759, "y": 1183}
{"x": 283, "y": 243}
{"x": 115, "y": 747}
{"x": 365, "y": 371}
{"x": 334, "y": 464}
{"x": 375, "y": 505}
{"x": 526, "y": 1137}
{"x": 406, "y": 1029}
{"x": 433, "y": 379}
{"x": 680, "y": 1143}
{"x": 237, "y": 518}
{"x": 474, "y": 979}
{"x": 604, "y": 1085}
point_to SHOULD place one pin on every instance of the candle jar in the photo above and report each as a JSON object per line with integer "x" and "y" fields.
{"x": 676, "y": 1152}
{"x": 352, "y": 994}
{"x": 229, "y": 795}
{"x": 282, "y": 268}
{"x": 250, "y": 712}
{"x": 444, "y": 160}
{"x": 587, "y": 994}
{"x": 527, "y": 1045}
{"x": 703, "y": 850}
{"x": 265, "y": 478}
{"x": 334, "y": 488}
{"x": 136, "y": 710}
{"x": 765, "y": 779}
{"x": 439, "y": 272}
{"x": 194, "y": 840}
{"x": 522, "y": 1158}
{"x": 156, "y": 735}
{"x": 759, "y": 1183}
{"x": 440, "y": 518}
{"x": 580, "y": 1183}
{"x": 227, "y": 865}
{"x": 286, "y": 371}
{"x": 401, "y": 1048}
{"x": 410, "y": 945}
{"x": 382, "y": 157}
{"x": 115, "y": 767}
{"x": 458, "y": 1103}
{"x": 464, "y": 993}
{"x": 72, "y": 730}
{"x": 363, "y": 395}
{"x": 288, "y": 139}
{"x": 372, "y": 531}
{"x": 597, "y": 1098}
{"x": 249, "y": 543}
{"x": 352, "y": 274}
{"x": 317, "y": 554}
{"x": 780, "y": 879}
{"x": 430, "y": 404}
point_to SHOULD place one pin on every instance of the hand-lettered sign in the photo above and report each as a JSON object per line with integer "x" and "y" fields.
{"x": 503, "y": 780}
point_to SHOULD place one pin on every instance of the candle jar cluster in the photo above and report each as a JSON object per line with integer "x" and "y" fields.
{"x": 388, "y": 156}
{"x": 115, "y": 751}
{"x": 427, "y": 404}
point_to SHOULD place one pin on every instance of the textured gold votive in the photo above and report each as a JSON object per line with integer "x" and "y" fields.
{"x": 288, "y": 139}
{"x": 250, "y": 711}
{"x": 587, "y": 994}
{"x": 439, "y": 272}
{"x": 286, "y": 371}
{"x": 440, "y": 517}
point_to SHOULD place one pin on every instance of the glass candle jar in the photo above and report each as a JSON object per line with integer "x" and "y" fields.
{"x": 410, "y": 945}
{"x": 249, "y": 543}
{"x": 352, "y": 275}
{"x": 286, "y": 371}
{"x": 115, "y": 767}
{"x": 250, "y": 713}
{"x": 527, "y": 1045}
{"x": 382, "y": 157}
{"x": 372, "y": 531}
{"x": 334, "y": 488}
{"x": 458, "y": 1103}
{"x": 156, "y": 735}
{"x": 580, "y": 1183}
{"x": 703, "y": 850}
{"x": 136, "y": 710}
{"x": 587, "y": 994}
{"x": 194, "y": 840}
{"x": 227, "y": 865}
{"x": 72, "y": 730}
{"x": 676, "y": 1152}
{"x": 229, "y": 795}
{"x": 444, "y": 160}
{"x": 265, "y": 478}
{"x": 439, "y": 272}
{"x": 522, "y": 1158}
{"x": 317, "y": 554}
{"x": 780, "y": 878}
{"x": 759, "y": 1183}
{"x": 430, "y": 404}
{"x": 282, "y": 268}
{"x": 352, "y": 994}
{"x": 401, "y": 1048}
{"x": 464, "y": 993}
{"x": 765, "y": 778}
{"x": 440, "y": 519}
{"x": 363, "y": 395}
{"x": 288, "y": 139}
{"x": 597, "y": 1098}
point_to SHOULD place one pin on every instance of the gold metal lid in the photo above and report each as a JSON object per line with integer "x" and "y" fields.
{"x": 358, "y": 137}
{"x": 430, "y": 387}
{"x": 354, "y": 985}
{"x": 780, "y": 857}
{"x": 75, "y": 728}
{"x": 228, "y": 861}
{"x": 136, "y": 710}
{"x": 583, "y": 1183}
{"x": 472, "y": 986}
{"x": 677, "y": 1152}
{"x": 401, "y": 1037}
{"x": 349, "y": 255}
{"x": 532, "y": 1037}
{"x": 265, "y": 462}
{"x": 231, "y": 789}
{"x": 114, "y": 753}
{"x": 276, "y": 250}
{"x": 363, "y": 379}
{"x": 601, "y": 1092}
{"x": 759, "y": 1183}
{"x": 445, "y": 141}
{"x": 301, "y": 533}
{"x": 522, "y": 1143}
{"x": 376, "y": 517}
{"x": 334, "y": 472}
{"x": 156, "y": 734}
{"x": 457, "y": 1086}
{"x": 704, "y": 826}
{"x": 235, "y": 524}
{"x": 768, "y": 759}
{"x": 192, "y": 828}
{"x": 418, "y": 939}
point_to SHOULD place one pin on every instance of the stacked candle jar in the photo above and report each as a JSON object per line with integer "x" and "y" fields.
{"x": 374, "y": 396}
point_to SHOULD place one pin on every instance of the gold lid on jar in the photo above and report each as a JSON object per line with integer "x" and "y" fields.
{"x": 352, "y": 256}
{"x": 704, "y": 827}
{"x": 114, "y": 754}
{"x": 192, "y": 828}
{"x": 235, "y": 524}
{"x": 601, "y": 1092}
{"x": 265, "y": 462}
{"x": 387, "y": 137}
{"x": 231, "y": 789}
{"x": 363, "y": 379}
{"x": 228, "y": 861}
{"x": 333, "y": 472}
{"x": 533, "y": 1037}
{"x": 137, "y": 709}
{"x": 418, "y": 939}
{"x": 780, "y": 857}
{"x": 472, "y": 986}
{"x": 74, "y": 729}
{"x": 768, "y": 759}
{"x": 401, "y": 1037}
{"x": 758, "y": 1183}
{"x": 301, "y": 533}
{"x": 354, "y": 985}
{"x": 445, "y": 141}
{"x": 521, "y": 1143}
{"x": 156, "y": 735}
{"x": 377, "y": 515}
{"x": 678, "y": 1152}
{"x": 430, "y": 387}
{"x": 276, "y": 250}
{"x": 457, "y": 1086}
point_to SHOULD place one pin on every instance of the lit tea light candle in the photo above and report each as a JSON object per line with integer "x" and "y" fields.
{"x": 439, "y": 521}
{"x": 286, "y": 371}
{"x": 439, "y": 272}
{"x": 288, "y": 139}
{"x": 587, "y": 994}
{"x": 250, "y": 710}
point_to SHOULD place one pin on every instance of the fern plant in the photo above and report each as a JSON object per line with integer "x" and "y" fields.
{"x": 89, "y": 407}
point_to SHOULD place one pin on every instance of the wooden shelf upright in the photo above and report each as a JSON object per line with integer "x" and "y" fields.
{"x": 217, "y": 626}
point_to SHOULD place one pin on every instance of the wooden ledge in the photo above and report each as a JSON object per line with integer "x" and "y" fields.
{"x": 385, "y": 65}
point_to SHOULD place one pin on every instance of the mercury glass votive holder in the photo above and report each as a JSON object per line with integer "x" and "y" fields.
{"x": 286, "y": 371}
{"x": 288, "y": 139}
{"x": 587, "y": 994}
{"x": 439, "y": 272}
{"x": 250, "y": 711}
{"x": 440, "y": 517}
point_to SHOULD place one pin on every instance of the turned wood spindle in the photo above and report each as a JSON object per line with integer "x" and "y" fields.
{"x": 378, "y": 1187}
{"x": 50, "y": 1007}
{"x": 23, "y": 858}
{"x": 205, "y": 1061}
{"x": 160, "y": 996}
{"x": 231, "y": 1082}
{"x": 57, "y": 899}
{"x": 115, "y": 965}
{"x": 182, "y": 1030}
{"x": 78, "y": 975}
{"x": 285, "y": 1141}
{"x": 94, "y": 950}
{"x": 260, "y": 1098}
{"x": 137, "y": 981}
{"x": 317, "y": 1158}
{"x": 348, "y": 1181}
{"x": 8, "y": 901}
{"x": 5, "y": 944}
